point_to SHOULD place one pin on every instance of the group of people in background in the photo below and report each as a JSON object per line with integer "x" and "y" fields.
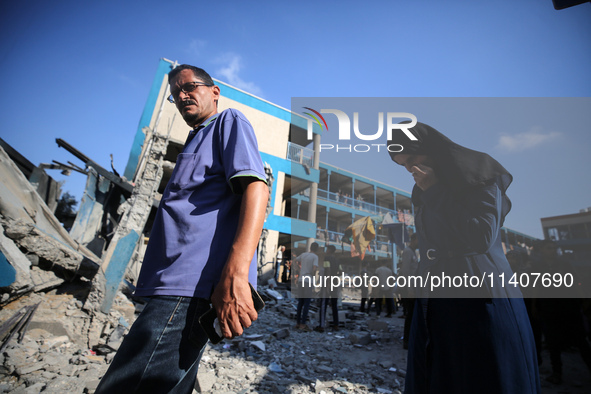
{"x": 558, "y": 320}
{"x": 558, "y": 323}
{"x": 325, "y": 264}
{"x": 378, "y": 295}
{"x": 307, "y": 265}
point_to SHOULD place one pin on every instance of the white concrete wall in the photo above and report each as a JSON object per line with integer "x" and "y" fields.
{"x": 272, "y": 133}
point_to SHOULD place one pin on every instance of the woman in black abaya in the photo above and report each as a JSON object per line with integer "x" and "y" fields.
{"x": 461, "y": 341}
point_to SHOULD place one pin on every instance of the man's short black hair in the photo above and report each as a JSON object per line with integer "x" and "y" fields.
{"x": 198, "y": 72}
{"x": 314, "y": 247}
{"x": 331, "y": 248}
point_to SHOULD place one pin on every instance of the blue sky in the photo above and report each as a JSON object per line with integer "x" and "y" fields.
{"x": 81, "y": 71}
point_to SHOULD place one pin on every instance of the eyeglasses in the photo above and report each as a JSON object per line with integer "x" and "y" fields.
{"x": 186, "y": 88}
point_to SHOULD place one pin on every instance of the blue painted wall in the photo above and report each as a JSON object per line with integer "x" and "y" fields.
{"x": 281, "y": 223}
{"x": 117, "y": 266}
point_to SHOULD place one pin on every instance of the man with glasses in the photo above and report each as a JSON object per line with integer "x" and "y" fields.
{"x": 202, "y": 245}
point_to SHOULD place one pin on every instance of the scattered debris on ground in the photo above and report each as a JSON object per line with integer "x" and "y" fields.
{"x": 60, "y": 348}
{"x": 67, "y": 349}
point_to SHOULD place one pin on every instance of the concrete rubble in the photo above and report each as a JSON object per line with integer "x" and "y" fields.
{"x": 64, "y": 348}
{"x": 32, "y": 240}
{"x": 364, "y": 356}
{"x": 68, "y": 349}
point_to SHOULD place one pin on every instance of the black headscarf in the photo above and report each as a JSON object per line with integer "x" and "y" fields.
{"x": 459, "y": 168}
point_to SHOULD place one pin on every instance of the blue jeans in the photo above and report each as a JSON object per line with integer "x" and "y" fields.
{"x": 277, "y": 268}
{"x": 302, "y": 311}
{"x": 324, "y": 302}
{"x": 161, "y": 352}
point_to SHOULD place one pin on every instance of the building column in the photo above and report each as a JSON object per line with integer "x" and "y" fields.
{"x": 326, "y": 228}
{"x": 314, "y": 187}
{"x": 394, "y": 249}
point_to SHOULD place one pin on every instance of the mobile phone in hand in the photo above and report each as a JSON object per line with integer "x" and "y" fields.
{"x": 209, "y": 320}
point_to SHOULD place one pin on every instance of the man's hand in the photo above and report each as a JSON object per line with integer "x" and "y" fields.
{"x": 424, "y": 176}
{"x": 232, "y": 300}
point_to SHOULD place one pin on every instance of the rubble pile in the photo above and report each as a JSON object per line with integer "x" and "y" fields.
{"x": 64, "y": 348}
{"x": 364, "y": 355}
{"x": 68, "y": 349}
{"x": 32, "y": 236}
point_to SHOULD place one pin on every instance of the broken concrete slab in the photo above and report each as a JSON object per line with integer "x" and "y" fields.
{"x": 205, "y": 381}
{"x": 56, "y": 341}
{"x": 32, "y": 238}
{"x": 377, "y": 325}
{"x": 360, "y": 339}
{"x": 274, "y": 294}
{"x": 43, "y": 280}
{"x": 116, "y": 337}
{"x": 19, "y": 202}
{"x": 54, "y": 329}
{"x": 259, "y": 345}
{"x": 324, "y": 368}
{"x": 386, "y": 364}
{"x": 281, "y": 333}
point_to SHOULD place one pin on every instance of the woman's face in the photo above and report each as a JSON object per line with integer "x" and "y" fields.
{"x": 409, "y": 161}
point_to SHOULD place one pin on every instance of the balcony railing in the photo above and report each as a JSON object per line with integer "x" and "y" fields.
{"x": 355, "y": 203}
{"x": 299, "y": 154}
{"x": 399, "y": 216}
{"x": 331, "y": 236}
{"x": 380, "y": 245}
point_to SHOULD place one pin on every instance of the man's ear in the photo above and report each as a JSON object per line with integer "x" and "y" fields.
{"x": 216, "y": 94}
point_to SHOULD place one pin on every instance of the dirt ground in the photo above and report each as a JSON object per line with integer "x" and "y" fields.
{"x": 308, "y": 362}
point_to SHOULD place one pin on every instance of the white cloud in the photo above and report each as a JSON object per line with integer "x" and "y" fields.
{"x": 230, "y": 70}
{"x": 196, "y": 46}
{"x": 526, "y": 140}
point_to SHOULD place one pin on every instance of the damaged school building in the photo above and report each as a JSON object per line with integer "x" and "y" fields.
{"x": 76, "y": 284}
{"x": 309, "y": 200}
